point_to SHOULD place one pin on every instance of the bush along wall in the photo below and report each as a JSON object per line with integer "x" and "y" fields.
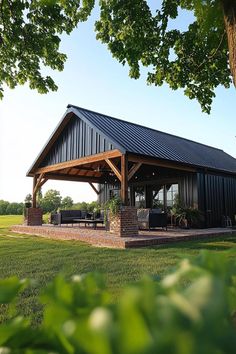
{"x": 190, "y": 311}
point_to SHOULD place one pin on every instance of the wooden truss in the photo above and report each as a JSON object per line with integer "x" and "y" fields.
{"x": 87, "y": 169}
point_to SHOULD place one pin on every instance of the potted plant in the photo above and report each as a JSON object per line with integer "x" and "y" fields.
{"x": 186, "y": 217}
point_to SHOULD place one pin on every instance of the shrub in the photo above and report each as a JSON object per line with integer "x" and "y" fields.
{"x": 191, "y": 310}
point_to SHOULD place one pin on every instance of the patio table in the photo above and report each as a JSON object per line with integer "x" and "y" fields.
{"x": 94, "y": 222}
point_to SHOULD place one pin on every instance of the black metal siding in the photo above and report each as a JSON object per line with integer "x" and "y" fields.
{"x": 77, "y": 140}
{"x": 217, "y": 197}
{"x": 188, "y": 190}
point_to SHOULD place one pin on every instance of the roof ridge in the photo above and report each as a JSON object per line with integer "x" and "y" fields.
{"x": 143, "y": 126}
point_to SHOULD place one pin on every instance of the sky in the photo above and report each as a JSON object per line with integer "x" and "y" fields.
{"x": 94, "y": 80}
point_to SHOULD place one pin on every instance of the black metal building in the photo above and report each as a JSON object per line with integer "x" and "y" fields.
{"x": 147, "y": 167}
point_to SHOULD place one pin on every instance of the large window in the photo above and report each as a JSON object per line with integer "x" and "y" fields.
{"x": 163, "y": 197}
{"x": 172, "y": 191}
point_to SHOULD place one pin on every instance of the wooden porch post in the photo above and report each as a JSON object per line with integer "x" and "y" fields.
{"x": 38, "y": 182}
{"x": 124, "y": 179}
{"x": 34, "y": 192}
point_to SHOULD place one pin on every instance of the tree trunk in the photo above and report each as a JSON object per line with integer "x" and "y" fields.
{"x": 229, "y": 9}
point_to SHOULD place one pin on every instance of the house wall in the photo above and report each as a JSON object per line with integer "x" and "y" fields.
{"x": 77, "y": 140}
{"x": 188, "y": 192}
{"x": 216, "y": 197}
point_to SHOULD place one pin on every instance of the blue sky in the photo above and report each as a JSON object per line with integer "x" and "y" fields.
{"x": 94, "y": 80}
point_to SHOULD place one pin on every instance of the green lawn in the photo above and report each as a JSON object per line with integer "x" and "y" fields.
{"x": 41, "y": 259}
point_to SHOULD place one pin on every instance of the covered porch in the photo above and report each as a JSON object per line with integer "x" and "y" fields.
{"x": 139, "y": 181}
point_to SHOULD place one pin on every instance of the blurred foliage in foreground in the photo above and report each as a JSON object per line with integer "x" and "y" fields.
{"x": 190, "y": 311}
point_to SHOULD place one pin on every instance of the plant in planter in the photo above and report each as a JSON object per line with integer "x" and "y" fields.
{"x": 186, "y": 217}
{"x": 112, "y": 207}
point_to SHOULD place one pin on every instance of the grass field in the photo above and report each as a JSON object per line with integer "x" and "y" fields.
{"x": 41, "y": 259}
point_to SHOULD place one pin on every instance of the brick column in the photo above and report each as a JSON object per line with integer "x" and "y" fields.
{"x": 33, "y": 217}
{"x": 125, "y": 222}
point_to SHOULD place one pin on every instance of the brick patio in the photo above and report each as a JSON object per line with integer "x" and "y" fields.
{"x": 102, "y": 238}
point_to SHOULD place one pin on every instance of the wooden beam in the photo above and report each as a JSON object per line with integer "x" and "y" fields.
{"x": 42, "y": 182}
{"x": 94, "y": 188}
{"x": 61, "y": 177}
{"x": 82, "y": 161}
{"x": 114, "y": 168}
{"x": 134, "y": 169}
{"x": 124, "y": 179}
{"x": 157, "y": 162}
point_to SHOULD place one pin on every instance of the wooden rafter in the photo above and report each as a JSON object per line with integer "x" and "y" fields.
{"x": 114, "y": 168}
{"x": 94, "y": 188}
{"x": 80, "y": 173}
{"x": 134, "y": 169}
{"x": 78, "y": 162}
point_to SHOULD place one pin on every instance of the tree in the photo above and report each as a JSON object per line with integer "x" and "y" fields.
{"x": 14, "y": 209}
{"x": 197, "y": 59}
{"x": 51, "y": 201}
{"x": 67, "y": 203}
{"x": 7, "y": 208}
{"x": 3, "y": 207}
{"x": 29, "y": 38}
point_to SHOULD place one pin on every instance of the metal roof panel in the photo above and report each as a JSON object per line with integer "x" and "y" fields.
{"x": 139, "y": 139}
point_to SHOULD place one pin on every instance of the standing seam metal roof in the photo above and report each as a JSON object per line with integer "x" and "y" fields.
{"x": 146, "y": 141}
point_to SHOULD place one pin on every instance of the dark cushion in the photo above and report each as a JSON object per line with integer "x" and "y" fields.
{"x": 70, "y": 213}
{"x": 157, "y": 220}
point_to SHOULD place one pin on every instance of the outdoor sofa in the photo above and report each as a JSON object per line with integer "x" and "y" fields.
{"x": 151, "y": 218}
{"x": 77, "y": 217}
